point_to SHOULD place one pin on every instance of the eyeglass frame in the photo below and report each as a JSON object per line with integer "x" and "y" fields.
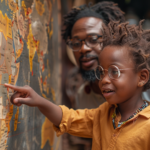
{"x": 108, "y": 73}
{"x": 81, "y": 41}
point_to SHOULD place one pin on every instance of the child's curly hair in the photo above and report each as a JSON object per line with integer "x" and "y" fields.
{"x": 107, "y": 10}
{"x": 135, "y": 38}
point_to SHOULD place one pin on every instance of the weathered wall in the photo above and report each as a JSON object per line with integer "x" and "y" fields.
{"x": 29, "y": 55}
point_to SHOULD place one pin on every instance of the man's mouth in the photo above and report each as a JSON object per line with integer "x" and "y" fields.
{"x": 87, "y": 62}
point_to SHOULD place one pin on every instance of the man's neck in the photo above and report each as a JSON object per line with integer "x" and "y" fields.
{"x": 94, "y": 86}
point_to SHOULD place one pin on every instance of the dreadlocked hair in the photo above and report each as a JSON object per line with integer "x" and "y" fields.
{"x": 135, "y": 39}
{"x": 108, "y": 10}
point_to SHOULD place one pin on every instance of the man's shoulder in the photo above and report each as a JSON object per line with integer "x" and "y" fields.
{"x": 86, "y": 98}
{"x": 84, "y": 88}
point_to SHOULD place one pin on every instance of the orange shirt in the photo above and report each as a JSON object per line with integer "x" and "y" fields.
{"x": 97, "y": 124}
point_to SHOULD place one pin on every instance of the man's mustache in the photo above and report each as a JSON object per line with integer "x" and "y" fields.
{"x": 88, "y": 56}
{"x": 88, "y": 75}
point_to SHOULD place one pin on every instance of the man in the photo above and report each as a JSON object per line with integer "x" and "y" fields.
{"x": 83, "y": 32}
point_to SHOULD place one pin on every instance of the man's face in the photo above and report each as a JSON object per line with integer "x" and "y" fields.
{"x": 86, "y": 57}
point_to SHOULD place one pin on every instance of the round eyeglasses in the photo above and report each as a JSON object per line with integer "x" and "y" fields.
{"x": 113, "y": 72}
{"x": 91, "y": 41}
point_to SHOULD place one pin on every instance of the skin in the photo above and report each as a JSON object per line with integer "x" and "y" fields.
{"x": 126, "y": 89}
{"x": 81, "y": 29}
{"x": 125, "y": 94}
{"x": 26, "y": 95}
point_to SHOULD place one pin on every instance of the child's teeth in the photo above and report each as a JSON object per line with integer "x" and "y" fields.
{"x": 107, "y": 91}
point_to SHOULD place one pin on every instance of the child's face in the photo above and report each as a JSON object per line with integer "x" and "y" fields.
{"x": 124, "y": 87}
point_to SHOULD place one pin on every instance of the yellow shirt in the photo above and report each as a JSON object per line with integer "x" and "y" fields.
{"x": 97, "y": 124}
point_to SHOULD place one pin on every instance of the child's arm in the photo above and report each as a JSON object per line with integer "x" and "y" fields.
{"x": 26, "y": 95}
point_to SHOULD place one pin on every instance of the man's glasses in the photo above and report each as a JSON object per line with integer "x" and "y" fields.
{"x": 113, "y": 72}
{"x": 91, "y": 41}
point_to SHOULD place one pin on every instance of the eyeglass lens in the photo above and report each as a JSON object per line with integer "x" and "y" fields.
{"x": 91, "y": 41}
{"x": 113, "y": 72}
{"x": 75, "y": 44}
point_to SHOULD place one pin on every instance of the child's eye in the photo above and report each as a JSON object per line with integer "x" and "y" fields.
{"x": 114, "y": 72}
{"x": 101, "y": 72}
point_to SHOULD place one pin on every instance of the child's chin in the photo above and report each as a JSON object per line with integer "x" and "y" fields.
{"x": 111, "y": 101}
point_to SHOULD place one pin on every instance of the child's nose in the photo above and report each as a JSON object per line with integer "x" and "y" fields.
{"x": 105, "y": 79}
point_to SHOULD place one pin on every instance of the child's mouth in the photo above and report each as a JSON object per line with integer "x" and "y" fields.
{"x": 108, "y": 93}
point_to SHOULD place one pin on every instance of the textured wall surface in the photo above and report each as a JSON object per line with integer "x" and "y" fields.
{"x": 29, "y": 55}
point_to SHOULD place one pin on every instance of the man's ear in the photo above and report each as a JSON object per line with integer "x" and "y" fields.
{"x": 143, "y": 77}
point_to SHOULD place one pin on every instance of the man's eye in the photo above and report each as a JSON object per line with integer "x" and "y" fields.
{"x": 93, "y": 39}
{"x": 76, "y": 44}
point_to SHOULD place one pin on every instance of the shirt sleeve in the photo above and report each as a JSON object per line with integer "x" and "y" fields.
{"x": 76, "y": 122}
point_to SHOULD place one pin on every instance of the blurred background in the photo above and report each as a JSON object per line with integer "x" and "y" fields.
{"x": 135, "y": 10}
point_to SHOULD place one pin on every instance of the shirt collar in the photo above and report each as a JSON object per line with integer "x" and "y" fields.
{"x": 146, "y": 112}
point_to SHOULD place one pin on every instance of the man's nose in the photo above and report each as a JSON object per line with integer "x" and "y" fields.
{"x": 84, "y": 48}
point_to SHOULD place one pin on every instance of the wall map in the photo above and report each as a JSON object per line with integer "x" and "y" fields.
{"x": 28, "y": 56}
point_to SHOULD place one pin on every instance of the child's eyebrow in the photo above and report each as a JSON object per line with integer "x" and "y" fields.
{"x": 119, "y": 65}
{"x": 117, "y": 58}
{"x": 120, "y": 61}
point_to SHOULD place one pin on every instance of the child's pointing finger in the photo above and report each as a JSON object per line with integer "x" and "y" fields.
{"x": 24, "y": 95}
{"x": 16, "y": 88}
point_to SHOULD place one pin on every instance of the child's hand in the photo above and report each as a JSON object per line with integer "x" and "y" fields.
{"x": 24, "y": 95}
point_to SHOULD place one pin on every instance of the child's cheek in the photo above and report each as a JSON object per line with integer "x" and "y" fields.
{"x": 99, "y": 84}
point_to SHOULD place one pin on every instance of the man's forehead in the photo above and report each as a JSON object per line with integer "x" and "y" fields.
{"x": 92, "y": 21}
{"x": 87, "y": 24}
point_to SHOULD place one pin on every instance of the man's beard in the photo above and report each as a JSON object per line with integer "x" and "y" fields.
{"x": 88, "y": 75}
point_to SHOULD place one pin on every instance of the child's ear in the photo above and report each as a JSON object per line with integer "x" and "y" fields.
{"x": 143, "y": 77}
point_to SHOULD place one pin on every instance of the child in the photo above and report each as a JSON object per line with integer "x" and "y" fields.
{"x": 123, "y": 122}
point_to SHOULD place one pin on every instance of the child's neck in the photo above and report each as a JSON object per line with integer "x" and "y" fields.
{"x": 128, "y": 107}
